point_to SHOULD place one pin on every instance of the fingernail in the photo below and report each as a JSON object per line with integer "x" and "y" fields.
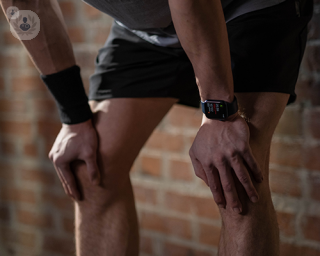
{"x": 221, "y": 206}
{"x": 254, "y": 199}
{"x": 236, "y": 210}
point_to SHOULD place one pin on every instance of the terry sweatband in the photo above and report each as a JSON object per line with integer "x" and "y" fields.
{"x": 67, "y": 88}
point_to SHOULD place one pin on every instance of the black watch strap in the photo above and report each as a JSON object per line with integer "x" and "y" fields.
{"x": 232, "y": 107}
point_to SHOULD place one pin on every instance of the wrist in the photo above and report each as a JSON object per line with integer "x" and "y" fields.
{"x": 67, "y": 88}
{"x": 85, "y": 124}
{"x": 216, "y": 121}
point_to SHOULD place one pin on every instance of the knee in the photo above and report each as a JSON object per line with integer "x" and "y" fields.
{"x": 114, "y": 179}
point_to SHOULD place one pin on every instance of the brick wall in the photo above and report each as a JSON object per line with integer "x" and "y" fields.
{"x": 176, "y": 212}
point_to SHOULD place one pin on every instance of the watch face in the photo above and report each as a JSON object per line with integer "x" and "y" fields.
{"x": 216, "y": 110}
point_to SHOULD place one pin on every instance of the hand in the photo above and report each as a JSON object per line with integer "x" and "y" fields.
{"x": 218, "y": 147}
{"x": 75, "y": 142}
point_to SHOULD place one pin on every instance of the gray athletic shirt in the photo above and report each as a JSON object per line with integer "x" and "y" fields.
{"x": 151, "y": 19}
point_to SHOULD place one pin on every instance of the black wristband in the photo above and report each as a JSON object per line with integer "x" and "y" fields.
{"x": 67, "y": 88}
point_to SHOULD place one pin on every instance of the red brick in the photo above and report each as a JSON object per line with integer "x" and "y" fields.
{"x": 285, "y": 182}
{"x": 4, "y": 213}
{"x": 7, "y": 172}
{"x": 286, "y": 223}
{"x": 171, "y": 249}
{"x": 182, "y": 116}
{"x": 312, "y": 122}
{"x": 290, "y": 123}
{"x": 34, "y": 219}
{"x": 91, "y": 12}
{"x": 135, "y": 166}
{"x": 68, "y": 10}
{"x": 314, "y": 185}
{"x": 76, "y": 34}
{"x": 1, "y": 83}
{"x": 168, "y": 225}
{"x": 7, "y": 148}
{"x": 28, "y": 84}
{"x": 18, "y": 195}
{"x": 164, "y": 141}
{"x": 311, "y": 227}
{"x": 45, "y": 106}
{"x": 48, "y": 128}
{"x": 295, "y": 250}
{"x": 85, "y": 59}
{"x": 49, "y": 140}
{"x": 314, "y": 28}
{"x": 68, "y": 225}
{"x": 10, "y": 62}
{"x": 61, "y": 202}
{"x": 205, "y": 207}
{"x": 152, "y": 221}
{"x": 15, "y": 128}
{"x": 202, "y": 207}
{"x": 86, "y": 83}
{"x": 151, "y": 165}
{"x": 178, "y": 202}
{"x": 146, "y": 244}
{"x": 177, "y": 227}
{"x": 311, "y": 157}
{"x": 308, "y": 90}
{"x": 9, "y": 39}
{"x": 145, "y": 195}
{"x": 101, "y": 34}
{"x": 312, "y": 57}
{"x": 286, "y": 153}
{"x": 30, "y": 149}
{"x": 21, "y": 238}
{"x": 209, "y": 234}
{"x": 60, "y": 245}
{"x": 12, "y": 106}
{"x": 38, "y": 176}
{"x": 181, "y": 170}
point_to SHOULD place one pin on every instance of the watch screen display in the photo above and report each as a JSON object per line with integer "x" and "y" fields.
{"x": 215, "y": 110}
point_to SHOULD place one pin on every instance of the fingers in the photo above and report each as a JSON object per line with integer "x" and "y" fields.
{"x": 215, "y": 186}
{"x": 199, "y": 170}
{"x": 93, "y": 170}
{"x": 244, "y": 178}
{"x": 69, "y": 181}
{"x": 229, "y": 188}
{"x": 211, "y": 177}
{"x": 252, "y": 164}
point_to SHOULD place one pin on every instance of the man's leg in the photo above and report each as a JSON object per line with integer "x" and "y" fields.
{"x": 255, "y": 231}
{"x": 106, "y": 219}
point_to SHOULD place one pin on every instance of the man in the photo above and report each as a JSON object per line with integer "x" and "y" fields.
{"x": 245, "y": 55}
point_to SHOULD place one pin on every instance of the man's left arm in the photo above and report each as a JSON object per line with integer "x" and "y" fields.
{"x": 218, "y": 146}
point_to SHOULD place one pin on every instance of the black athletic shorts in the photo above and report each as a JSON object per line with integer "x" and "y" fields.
{"x": 266, "y": 48}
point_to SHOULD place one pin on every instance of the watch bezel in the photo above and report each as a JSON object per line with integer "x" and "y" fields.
{"x": 216, "y": 102}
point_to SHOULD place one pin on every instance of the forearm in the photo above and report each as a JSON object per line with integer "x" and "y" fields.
{"x": 51, "y": 50}
{"x": 201, "y": 28}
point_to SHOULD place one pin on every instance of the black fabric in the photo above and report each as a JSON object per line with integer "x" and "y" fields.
{"x": 67, "y": 88}
{"x": 266, "y": 48}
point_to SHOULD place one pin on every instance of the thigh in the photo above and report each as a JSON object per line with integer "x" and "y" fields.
{"x": 123, "y": 126}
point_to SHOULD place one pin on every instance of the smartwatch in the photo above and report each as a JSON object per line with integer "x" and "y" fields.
{"x": 219, "y": 109}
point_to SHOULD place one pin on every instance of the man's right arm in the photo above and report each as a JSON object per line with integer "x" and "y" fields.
{"x": 51, "y": 50}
